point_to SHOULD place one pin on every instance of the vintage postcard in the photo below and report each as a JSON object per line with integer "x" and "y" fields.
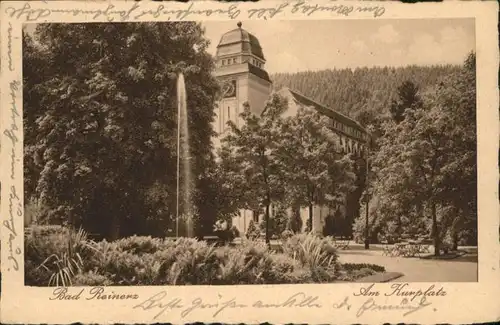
{"x": 277, "y": 161}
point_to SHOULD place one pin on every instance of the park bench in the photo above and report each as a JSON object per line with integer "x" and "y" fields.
{"x": 341, "y": 242}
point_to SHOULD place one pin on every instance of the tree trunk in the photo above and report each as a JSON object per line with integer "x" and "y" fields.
{"x": 367, "y": 227}
{"x": 435, "y": 231}
{"x": 311, "y": 210}
{"x": 455, "y": 228}
{"x": 455, "y": 241}
{"x": 115, "y": 226}
{"x": 268, "y": 241}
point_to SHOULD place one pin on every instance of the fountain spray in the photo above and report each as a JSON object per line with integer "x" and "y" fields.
{"x": 183, "y": 157}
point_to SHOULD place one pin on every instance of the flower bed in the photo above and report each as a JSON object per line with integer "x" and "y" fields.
{"x": 63, "y": 257}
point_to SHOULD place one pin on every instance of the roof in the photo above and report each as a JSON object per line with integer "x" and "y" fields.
{"x": 248, "y": 67}
{"x": 250, "y": 43}
{"x": 258, "y": 72}
{"x": 308, "y": 102}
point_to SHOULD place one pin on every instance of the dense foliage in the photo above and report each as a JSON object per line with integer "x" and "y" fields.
{"x": 100, "y": 123}
{"x": 424, "y": 173}
{"x": 285, "y": 162}
{"x": 152, "y": 261}
{"x": 361, "y": 93}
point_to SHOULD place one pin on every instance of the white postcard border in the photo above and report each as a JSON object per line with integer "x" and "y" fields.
{"x": 463, "y": 302}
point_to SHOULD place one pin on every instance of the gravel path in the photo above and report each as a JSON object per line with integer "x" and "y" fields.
{"x": 462, "y": 269}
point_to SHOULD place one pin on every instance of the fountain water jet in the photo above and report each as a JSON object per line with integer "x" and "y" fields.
{"x": 183, "y": 160}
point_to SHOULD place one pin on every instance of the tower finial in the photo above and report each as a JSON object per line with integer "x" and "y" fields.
{"x": 239, "y": 24}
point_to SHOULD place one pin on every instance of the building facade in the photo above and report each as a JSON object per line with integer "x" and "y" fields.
{"x": 240, "y": 68}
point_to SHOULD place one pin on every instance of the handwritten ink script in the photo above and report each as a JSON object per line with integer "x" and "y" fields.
{"x": 404, "y": 300}
{"x": 107, "y": 11}
{"x": 15, "y": 206}
{"x": 9, "y": 47}
{"x": 161, "y": 303}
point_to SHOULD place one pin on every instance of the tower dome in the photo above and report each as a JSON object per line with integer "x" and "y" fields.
{"x": 239, "y": 41}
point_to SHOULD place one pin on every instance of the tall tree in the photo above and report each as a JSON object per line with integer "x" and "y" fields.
{"x": 316, "y": 173}
{"x": 101, "y": 121}
{"x": 408, "y": 98}
{"x": 294, "y": 220}
{"x": 252, "y": 151}
{"x": 427, "y": 163}
{"x": 368, "y": 92}
{"x": 456, "y": 99}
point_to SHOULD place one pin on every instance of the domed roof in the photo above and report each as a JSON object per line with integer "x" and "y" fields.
{"x": 249, "y": 42}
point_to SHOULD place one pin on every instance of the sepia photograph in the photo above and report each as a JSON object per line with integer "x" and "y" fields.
{"x": 250, "y": 152}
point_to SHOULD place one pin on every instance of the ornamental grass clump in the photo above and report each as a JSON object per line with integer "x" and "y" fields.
{"x": 66, "y": 257}
{"x": 317, "y": 254}
{"x": 195, "y": 264}
{"x": 56, "y": 254}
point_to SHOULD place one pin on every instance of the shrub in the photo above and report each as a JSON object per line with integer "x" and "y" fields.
{"x": 122, "y": 267}
{"x": 243, "y": 264}
{"x": 318, "y": 254}
{"x": 355, "y": 271}
{"x": 227, "y": 235}
{"x": 139, "y": 244}
{"x": 195, "y": 263}
{"x": 235, "y": 232}
{"x": 254, "y": 263}
{"x": 359, "y": 266}
{"x": 35, "y": 211}
{"x": 35, "y": 276}
{"x": 356, "y": 274}
{"x": 42, "y": 241}
{"x": 185, "y": 261}
{"x": 286, "y": 234}
{"x": 91, "y": 279}
{"x": 55, "y": 251}
{"x": 253, "y": 231}
{"x": 308, "y": 247}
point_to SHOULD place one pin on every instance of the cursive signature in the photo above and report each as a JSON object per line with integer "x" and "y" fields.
{"x": 156, "y": 302}
{"x": 219, "y": 307}
{"x": 111, "y": 13}
{"x": 344, "y": 304}
{"x": 161, "y": 304}
{"x": 190, "y": 11}
{"x": 161, "y": 11}
{"x": 30, "y": 13}
{"x": 11, "y": 132}
{"x": 298, "y": 300}
{"x": 10, "y": 225}
{"x": 9, "y": 47}
{"x": 302, "y": 7}
{"x": 15, "y": 208}
{"x": 371, "y": 305}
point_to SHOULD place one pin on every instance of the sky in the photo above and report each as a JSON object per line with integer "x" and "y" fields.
{"x": 301, "y": 45}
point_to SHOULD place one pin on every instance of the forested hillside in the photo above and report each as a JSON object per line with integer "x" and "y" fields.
{"x": 361, "y": 92}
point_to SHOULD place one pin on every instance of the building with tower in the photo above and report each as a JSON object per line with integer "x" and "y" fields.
{"x": 240, "y": 68}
